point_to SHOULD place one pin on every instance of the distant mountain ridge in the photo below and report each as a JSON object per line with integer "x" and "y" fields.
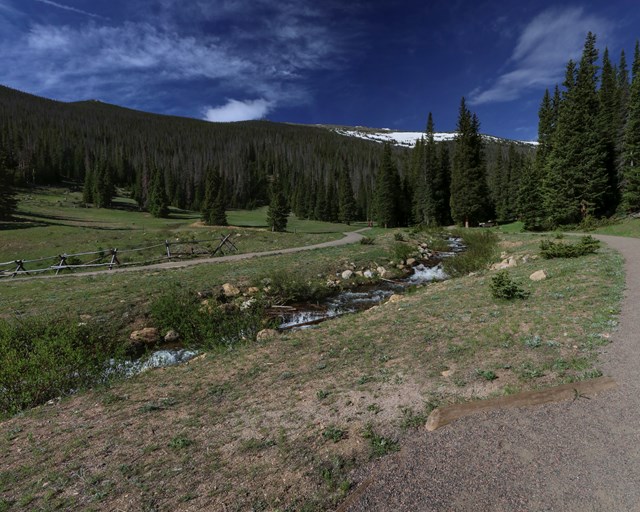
{"x": 408, "y": 139}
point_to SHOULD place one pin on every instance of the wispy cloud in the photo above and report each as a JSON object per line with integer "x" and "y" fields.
{"x": 69, "y": 8}
{"x": 270, "y": 54}
{"x": 235, "y": 110}
{"x": 543, "y": 49}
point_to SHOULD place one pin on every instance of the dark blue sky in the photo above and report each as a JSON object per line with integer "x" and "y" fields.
{"x": 375, "y": 63}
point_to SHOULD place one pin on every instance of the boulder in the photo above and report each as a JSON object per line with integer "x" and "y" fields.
{"x": 171, "y": 336}
{"x": 539, "y": 275}
{"x": 382, "y": 271}
{"x": 146, "y": 336}
{"x": 266, "y": 334}
{"x": 230, "y": 290}
{"x": 368, "y": 274}
{"x": 395, "y": 298}
{"x": 253, "y": 290}
{"x": 411, "y": 262}
{"x": 347, "y": 274}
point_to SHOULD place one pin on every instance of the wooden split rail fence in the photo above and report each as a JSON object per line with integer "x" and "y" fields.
{"x": 110, "y": 258}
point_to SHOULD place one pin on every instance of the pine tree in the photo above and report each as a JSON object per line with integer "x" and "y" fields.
{"x": 8, "y": 202}
{"x": 609, "y": 125}
{"x": 631, "y": 147}
{"x": 214, "y": 204}
{"x": 88, "y": 187}
{"x": 576, "y": 181}
{"x": 347, "y": 203}
{"x": 103, "y": 188}
{"x": 387, "y": 191}
{"x": 469, "y": 191}
{"x": 442, "y": 188}
{"x": 278, "y": 212}
{"x": 425, "y": 207}
{"x": 158, "y": 202}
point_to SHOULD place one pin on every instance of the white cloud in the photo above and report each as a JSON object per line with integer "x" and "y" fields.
{"x": 69, "y": 8}
{"x": 540, "y": 56}
{"x": 235, "y": 110}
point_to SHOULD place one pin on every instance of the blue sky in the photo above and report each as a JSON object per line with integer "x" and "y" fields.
{"x": 371, "y": 63}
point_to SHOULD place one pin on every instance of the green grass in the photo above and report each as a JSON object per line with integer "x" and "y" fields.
{"x": 54, "y": 221}
{"x": 626, "y": 227}
{"x": 280, "y": 424}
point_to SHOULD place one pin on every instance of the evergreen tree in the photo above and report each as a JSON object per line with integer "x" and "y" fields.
{"x": 387, "y": 191}
{"x": 347, "y": 203}
{"x": 8, "y": 202}
{"x": 469, "y": 192}
{"x": 631, "y": 147}
{"x": 278, "y": 212}
{"x": 158, "y": 202}
{"x": 576, "y": 181}
{"x": 214, "y": 204}
{"x": 88, "y": 187}
{"x": 442, "y": 188}
{"x": 103, "y": 188}
{"x": 425, "y": 206}
{"x": 609, "y": 125}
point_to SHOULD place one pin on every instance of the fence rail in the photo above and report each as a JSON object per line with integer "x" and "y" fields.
{"x": 73, "y": 261}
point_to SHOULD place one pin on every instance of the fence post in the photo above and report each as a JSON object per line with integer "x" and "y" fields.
{"x": 63, "y": 262}
{"x": 114, "y": 258}
{"x": 168, "y": 246}
{"x": 20, "y": 267}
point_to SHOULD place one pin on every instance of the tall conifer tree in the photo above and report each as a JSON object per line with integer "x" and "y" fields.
{"x": 576, "y": 181}
{"x": 387, "y": 191}
{"x": 347, "y": 202}
{"x": 278, "y": 212}
{"x": 631, "y": 147}
{"x": 469, "y": 192}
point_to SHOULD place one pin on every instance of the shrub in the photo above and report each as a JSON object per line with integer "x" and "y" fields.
{"x": 586, "y": 245}
{"x": 293, "y": 287}
{"x": 481, "y": 249}
{"x": 205, "y": 326}
{"x": 46, "y": 358}
{"x": 503, "y": 287}
{"x": 398, "y": 237}
{"x": 402, "y": 251}
{"x": 367, "y": 240}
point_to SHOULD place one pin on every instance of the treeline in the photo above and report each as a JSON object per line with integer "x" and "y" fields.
{"x": 210, "y": 167}
{"x": 466, "y": 182}
{"x": 46, "y": 142}
{"x": 588, "y": 163}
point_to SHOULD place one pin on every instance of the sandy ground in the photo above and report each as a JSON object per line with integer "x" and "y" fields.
{"x": 579, "y": 455}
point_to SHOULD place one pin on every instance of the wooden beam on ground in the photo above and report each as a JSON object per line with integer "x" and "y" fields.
{"x": 444, "y": 415}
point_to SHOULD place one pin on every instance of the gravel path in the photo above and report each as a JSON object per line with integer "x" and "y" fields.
{"x": 350, "y": 237}
{"x": 581, "y": 455}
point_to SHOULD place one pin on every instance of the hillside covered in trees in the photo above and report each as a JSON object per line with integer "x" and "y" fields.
{"x": 166, "y": 160}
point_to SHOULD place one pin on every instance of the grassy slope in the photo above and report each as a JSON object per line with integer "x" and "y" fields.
{"x": 278, "y": 425}
{"x": 52, "y": 221}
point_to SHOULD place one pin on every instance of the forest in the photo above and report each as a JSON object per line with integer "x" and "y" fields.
{"x": 163, "y": 160}
{"x": 585, "y": 166}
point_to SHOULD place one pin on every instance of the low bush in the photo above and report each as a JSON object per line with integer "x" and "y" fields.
{"x": 292, "y": 287}
{"x": 481, "y": 248}
{"x": 367, "y": 240}
{"x": 207, "y": 325}
{"x": 586, "y": 245}
{"x": 503, "y": 287}
{"x": 402, "y": 251}
{"x": 47, "y": 358}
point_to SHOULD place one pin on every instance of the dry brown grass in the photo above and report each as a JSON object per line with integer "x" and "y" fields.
{"x": 248, "y": 430}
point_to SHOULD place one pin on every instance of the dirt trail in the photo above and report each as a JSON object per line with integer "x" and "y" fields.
{"x": 581, "y": 455}
{"x": 350, "y": 237}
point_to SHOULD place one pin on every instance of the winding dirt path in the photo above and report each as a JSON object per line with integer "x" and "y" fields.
{"x": 581, "y": 455}
{"x": 350, "y": 237}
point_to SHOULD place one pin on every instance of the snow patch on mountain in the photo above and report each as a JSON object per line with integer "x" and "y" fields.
{"x": 408, "y": 139}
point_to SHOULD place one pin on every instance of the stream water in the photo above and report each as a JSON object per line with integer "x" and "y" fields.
{"x": 305, "y": 316}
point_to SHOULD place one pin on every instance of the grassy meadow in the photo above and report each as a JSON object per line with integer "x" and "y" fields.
{"x": 280, "y": 424}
